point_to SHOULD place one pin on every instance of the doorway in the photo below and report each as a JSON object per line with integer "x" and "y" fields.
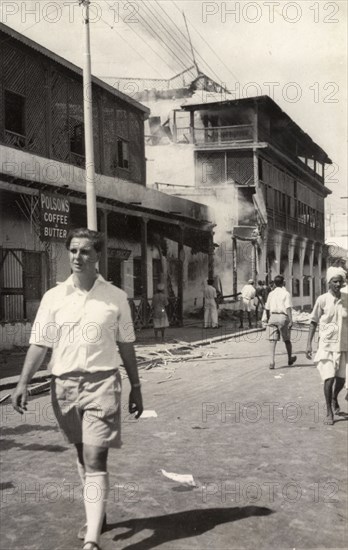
{"x": 115, "y": 271}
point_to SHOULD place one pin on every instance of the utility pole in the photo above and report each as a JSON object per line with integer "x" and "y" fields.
{"x": 190, "y": 42}
{"x": 88, "y": 122}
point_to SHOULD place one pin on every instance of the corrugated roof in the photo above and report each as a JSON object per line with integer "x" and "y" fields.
{"x": 70, "y": 66}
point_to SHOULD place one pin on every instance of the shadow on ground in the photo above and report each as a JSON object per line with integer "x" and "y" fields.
{"x": 190, "y": 523}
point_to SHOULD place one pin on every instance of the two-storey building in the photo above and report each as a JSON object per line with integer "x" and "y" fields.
{"x": 150, "y": 235}
{"x": 258, "y": 171}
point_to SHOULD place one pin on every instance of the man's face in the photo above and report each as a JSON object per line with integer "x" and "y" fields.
{"x": 82, "y": 256}
{"x": 335, "y": 284}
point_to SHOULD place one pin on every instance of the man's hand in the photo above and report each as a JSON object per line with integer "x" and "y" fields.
{"x": 135, "y": 402}
{"x": 19, "y": 398}
{"x": 309, "y": 352}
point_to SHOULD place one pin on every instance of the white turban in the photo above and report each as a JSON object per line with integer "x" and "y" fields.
{"x": 335, "y": 272}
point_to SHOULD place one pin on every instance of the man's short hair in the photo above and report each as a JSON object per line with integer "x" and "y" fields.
{"x": 279, "y": 280}
{"x": 95, "y": 237}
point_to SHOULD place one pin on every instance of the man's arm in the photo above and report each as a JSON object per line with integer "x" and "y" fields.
{"x": 33, "y": 361}
{"x": 129, "y": 360}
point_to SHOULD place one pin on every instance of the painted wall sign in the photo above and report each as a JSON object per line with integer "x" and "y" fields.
{"x": 119, "y": 253}
{"x": 54, "y": 216}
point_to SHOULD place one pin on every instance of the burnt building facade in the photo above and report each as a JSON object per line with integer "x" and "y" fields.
{"x": 42, "y": 190}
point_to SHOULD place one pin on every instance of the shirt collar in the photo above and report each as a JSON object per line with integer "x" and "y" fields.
{"x": 69, "y": 282}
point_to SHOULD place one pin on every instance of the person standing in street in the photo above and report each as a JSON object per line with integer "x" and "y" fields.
{"x": 279, "y": 317}
{"x": 87, "y": 323}
{"x": 246, "y": 301}
{"x": 210, "y": 306}
{"x": 260, "y": 299}
{"x": 330, "y": 312}
{"x": 160, "y": 318}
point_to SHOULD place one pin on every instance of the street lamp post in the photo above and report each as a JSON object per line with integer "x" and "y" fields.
{"x": 88, "y": 122}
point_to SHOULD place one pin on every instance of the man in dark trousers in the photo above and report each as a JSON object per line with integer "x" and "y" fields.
{"x": 87, "y": 323}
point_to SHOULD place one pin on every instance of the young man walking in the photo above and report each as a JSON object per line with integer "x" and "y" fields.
{"x": 279, "y": 316}
{"x": 87, "y": 323}
{"x": 330, "y": 312}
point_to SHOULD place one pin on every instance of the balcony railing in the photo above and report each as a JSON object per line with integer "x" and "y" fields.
{"x": 222, "y": 134}
{"x": 293, "y": 226}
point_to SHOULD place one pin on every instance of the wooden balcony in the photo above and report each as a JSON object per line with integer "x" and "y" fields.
{"x": 293, "y": 226}
{"x": 223, "y": 135}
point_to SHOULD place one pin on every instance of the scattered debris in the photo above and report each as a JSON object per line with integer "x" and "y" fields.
{"x": 186, "y": 479}
{"x": 149, "y": 414}
{"x": 301, "y": 317}
{"x": 5, "y": 397}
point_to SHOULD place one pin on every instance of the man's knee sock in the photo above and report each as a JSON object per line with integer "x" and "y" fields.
{"x": 95, "y": 494}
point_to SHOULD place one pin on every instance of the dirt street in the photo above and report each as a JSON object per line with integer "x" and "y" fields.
{"x": 267, "y": 473}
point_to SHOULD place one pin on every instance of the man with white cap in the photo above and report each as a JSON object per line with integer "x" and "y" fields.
{"x": 248, "y": 294}
{"x": 331, "y": 313}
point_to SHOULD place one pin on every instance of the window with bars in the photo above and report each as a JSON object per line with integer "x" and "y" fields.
{"x": 14, "y": 113}
{"x": 306, "y": 285}
{"x": 77, "y": 138}
{"x": 122, "y": 153}
{"x": 156, "y": 273}
{"x": 296, "y": 287}
{"x": 21, "y": 281}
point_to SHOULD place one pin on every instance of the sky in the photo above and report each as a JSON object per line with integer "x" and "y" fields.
{"x": 296, "y": 52}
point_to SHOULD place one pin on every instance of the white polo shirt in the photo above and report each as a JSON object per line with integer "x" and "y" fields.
{"x": 82, "y": 328}
{"x": 278, "y": 300}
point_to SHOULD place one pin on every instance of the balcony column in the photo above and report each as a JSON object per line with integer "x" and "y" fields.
{"x": 192, "y": 126}
{"x": 302, "y": 253}
{"x": 144, "y": 293}
{"x": 256, "y": 168}
{"x": 311, "y": 262}
{"x": 277, "y": 253}
{"x": 181, "y": 260}
{"x": 211, "y": 256}
{"x": 103, "y": 263}
{"x": 320, "y": 261}
{"x": 291, "y": 250}
{"x": 254, "y": 261}
{"x": 234, "y": 265}
{"x": 263, "y": 273}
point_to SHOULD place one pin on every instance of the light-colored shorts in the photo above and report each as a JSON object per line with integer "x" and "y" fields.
{"x": 278, "y": 326}
{"x": 245, "y": 304}
{"x": 331, "y": 364}
{"x": 88, "y": 407}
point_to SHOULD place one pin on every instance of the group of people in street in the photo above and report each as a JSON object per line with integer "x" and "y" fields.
{"x": 330, "y": 314}
{"x": 254, "y": 298}
{"x": 86, "y": 383}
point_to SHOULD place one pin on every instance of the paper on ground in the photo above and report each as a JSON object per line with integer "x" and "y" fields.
{"x": 180, "y": 478}
{"x": 149, "y": 414}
